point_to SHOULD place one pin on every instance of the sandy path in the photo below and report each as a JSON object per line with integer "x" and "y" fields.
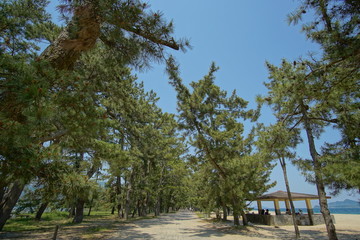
{"x": 180, "y": 225}
{"x": 186, "y": 225}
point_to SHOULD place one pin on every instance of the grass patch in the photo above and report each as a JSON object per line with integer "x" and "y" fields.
{"x": 50, "y": 220}
{"x": 203, "y": 215}
{"x": 28, "y": 223}
{"x": 200, "y": 214}
{"x": 100, "y": 225}
{"x": 97, "y": 229}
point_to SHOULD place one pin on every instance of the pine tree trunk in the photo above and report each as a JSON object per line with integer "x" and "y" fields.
{"x": 41, "y": 210}
{"x": 236, "y": 218}
{"x": 9, "y": 200}
{"x": 236, "y": 213}
{"x": 133, "y": 213}
{"x": 127, "y": 205}
{"x": 283, "y": 166}
{"x": 138, "y": 207}
{"x": 89, "y": 210}
{"x": 128, "y": 196}
{"x": 224, "y": 212}
{"x": 69, "y": 45}
{"x": 157, "y": 206}
{"x": 318, "y": 178}
{"x": 79, "y": 211}
{"x": 244, "y": 218}
{"x": 2, "y": 191}
{"x": 112, "y": 201}
{"x": 118, "y": 195}
{"x": 144, "y": 205}
{"x": 71, "y": 212}
{"x": 217, "y": 213}
{"x": 167, "y": 209}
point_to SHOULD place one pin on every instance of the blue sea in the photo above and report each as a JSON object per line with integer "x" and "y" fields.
{"x": 332, "y": 210}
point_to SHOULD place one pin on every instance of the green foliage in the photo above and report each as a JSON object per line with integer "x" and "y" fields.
{"x": 133, "y": 33}
{"x": 20, "y": 24}
{"x": 58, "y": 127}
{"x": 28, "y": 202}
{"x": 228, "y": 170}
{"x": 327, "y": 87}
{"x": 26, "y": 107}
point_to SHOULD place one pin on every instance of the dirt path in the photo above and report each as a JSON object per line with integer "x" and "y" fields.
{"x": 186, "y": 225}
{"x": 181, "y": 225}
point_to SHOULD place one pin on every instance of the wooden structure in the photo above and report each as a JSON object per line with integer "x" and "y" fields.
{"x": 278, "y": 196}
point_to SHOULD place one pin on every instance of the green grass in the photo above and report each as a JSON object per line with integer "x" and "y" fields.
{"x": 200, "y": 214}
{"x": 96, "y": 229}
{"x": 27, "y": 222}
{"x": 98, "y": 214}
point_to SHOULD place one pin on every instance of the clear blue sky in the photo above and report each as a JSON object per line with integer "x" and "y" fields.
{"x": 239, "y": 36}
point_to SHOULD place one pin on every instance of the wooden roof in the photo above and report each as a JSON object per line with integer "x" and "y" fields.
{"x": 282, "y": 196}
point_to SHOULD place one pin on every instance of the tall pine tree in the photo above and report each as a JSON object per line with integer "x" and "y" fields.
{"x": 211, "y": 119}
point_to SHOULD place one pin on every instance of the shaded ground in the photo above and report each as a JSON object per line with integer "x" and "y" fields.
{"x": 183, "y": 225}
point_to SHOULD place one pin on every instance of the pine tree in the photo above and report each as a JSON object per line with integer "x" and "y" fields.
{"x": 24, "y": 108}
{"x": 276, "y": 142}
{"x": 335, "y": 28}
{"x": 211, "y": 120}
{"x": 321, "y": 92}
{"x": 292, "y": 98}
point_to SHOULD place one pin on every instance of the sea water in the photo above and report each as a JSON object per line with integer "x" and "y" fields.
{"x": 332, "y": 210}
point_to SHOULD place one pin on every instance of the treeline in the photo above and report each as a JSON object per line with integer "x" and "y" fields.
{"x": 74, "y": 112}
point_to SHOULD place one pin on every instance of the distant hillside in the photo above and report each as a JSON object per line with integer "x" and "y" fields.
{"x": 347, "y": 203}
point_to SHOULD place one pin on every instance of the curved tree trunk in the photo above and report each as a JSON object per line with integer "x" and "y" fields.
{"x": 41, "y": 210}
{"x": 318, "y": 177}
{"x": 81, "y": 35}
{"x": 244, "y": 218}
{"x": 9, "y": 200}
{"x": 283, "y": 166}
{"x": 90, "y": 208}
{"x": 70, "y": 44}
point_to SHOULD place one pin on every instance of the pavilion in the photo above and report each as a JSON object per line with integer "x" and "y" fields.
{"x": 303, "y": 219}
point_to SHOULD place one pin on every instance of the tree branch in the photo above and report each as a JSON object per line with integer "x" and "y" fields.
{"x": 53, "y": 136}
{"x": 128, "y": 27}
{"x": 325, "y": 120}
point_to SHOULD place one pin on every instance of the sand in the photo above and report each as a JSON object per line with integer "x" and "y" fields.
{"x": 186, "y": 225}
{"x": 347, "y": 227}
